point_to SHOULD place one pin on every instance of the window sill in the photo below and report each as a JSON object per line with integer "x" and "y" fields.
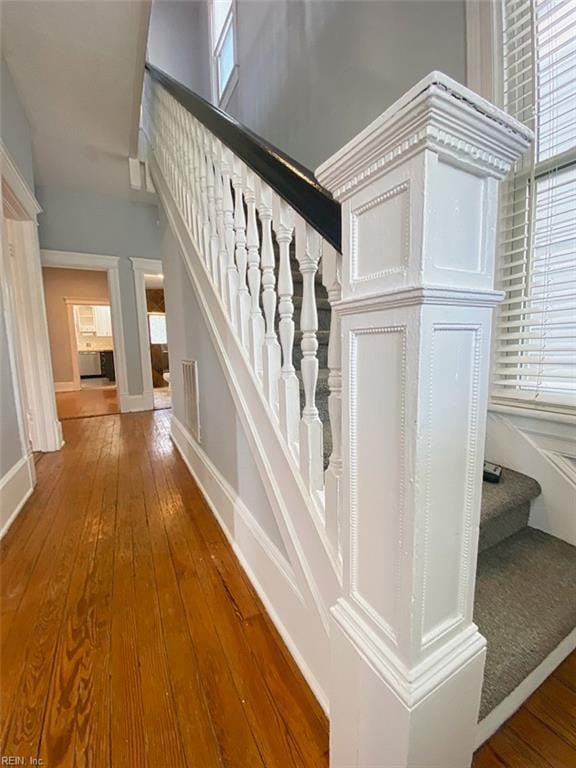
{"x": 556, "y": 413}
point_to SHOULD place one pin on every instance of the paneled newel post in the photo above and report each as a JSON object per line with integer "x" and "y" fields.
{"x": 418, "y": 190}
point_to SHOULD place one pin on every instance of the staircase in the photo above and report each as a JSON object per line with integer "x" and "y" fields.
{"x": 372, "y": 365}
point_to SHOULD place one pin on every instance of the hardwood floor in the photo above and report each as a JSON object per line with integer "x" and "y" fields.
{"x": 131, "y": 638}
{"x": 87, "y": 402}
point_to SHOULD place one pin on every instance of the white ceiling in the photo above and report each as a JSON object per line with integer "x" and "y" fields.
{"x": 77, "y": 67}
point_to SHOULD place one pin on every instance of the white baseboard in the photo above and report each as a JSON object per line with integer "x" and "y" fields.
{"x": 266, "y": 567}
{"x": 514, "y": 700}
{"x": 66, "y": 386}
{"x": 15, "y": 488}
{"x": 133, "y": 403}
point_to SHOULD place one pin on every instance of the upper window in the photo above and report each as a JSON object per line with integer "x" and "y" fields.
{"x": 224, "y": 69}
{"x": 535, "y": 352}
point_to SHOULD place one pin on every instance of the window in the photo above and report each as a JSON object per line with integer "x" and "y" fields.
{"x": 157, "y": 325}
{"x": 535, "y": 345}
{"x": 224, "y": 69}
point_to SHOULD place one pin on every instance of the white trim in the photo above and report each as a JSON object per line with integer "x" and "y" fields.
{"x": 18, "y": 183}
{"x": 483, "y": 51}
{"x": 140, "y": 268}
{"x": 514, "y": 700}
{"x": 27, "y": 331}
{"x": 133, "y": 403}
{"x": 222, "y": 99}
{"x": 267, "y": 568}
{"x": 15, "y": 489}
{"x": 109, "y": 264}
{"x": 66, "y": 386}
{"x": 77, "y": 260}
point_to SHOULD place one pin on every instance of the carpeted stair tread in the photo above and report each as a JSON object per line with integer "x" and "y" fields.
{"x": 513, "y": 490}
{"x": 525, "y": 606}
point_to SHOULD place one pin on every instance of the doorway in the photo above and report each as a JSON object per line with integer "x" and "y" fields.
{"x": 82, "y": 342}
{"x": 159, "y": 360}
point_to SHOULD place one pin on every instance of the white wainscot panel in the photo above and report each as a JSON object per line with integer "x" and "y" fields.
{"x": 381, "y": 234}
{"x": 455, "y": 228}
{"x": 378, "y": 370}
{"x": 450, "y": 416}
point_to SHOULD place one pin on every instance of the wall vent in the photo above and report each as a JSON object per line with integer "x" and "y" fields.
{"x": 191, "y": 399}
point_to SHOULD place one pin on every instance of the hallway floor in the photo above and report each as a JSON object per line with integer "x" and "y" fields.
{"x": 97, "y": 401}
{"x": 130, "y": 636}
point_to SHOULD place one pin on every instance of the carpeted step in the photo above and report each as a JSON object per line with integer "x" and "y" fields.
{"x": 525, "y": 606}
{"x": 505, "y": 507}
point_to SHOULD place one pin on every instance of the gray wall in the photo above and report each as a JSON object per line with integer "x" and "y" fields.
{"x": 88, "y": 222}
{"x": 14, "y": 126}
{"x": 179, "y": 42}
{"x": 313, "y": 74}
{"x": 223, "y": 437}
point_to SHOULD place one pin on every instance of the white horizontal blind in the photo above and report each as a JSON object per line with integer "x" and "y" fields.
{"x": 535, "y": 352}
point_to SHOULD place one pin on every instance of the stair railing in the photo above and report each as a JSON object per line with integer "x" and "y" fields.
{"x": 239, "y": 197}
{"x": 412, "y": 298}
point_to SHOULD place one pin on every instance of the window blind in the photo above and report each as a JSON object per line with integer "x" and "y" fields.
{"x": 535, "y": 343}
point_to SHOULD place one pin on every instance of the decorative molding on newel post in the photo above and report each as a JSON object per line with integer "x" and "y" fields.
{"x": 418, "y": 190}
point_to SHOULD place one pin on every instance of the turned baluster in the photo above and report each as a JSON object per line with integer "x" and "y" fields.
{"x": 308, "y": 250}
{"x": 210, "y": 182}
{"x": 205, "y": 244}
{"x": 332, "y": 281}
{"x": 271, "y": 356}
{"x": 289, "y": 387}
{"x": 197, "y": 183}
{"x": 219, "y": 197}
{"x": 241, "y": 256}
{"x": 255, "y": 319}
{"x": 230, "y": 239}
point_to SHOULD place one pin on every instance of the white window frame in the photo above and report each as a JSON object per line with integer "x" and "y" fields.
{"x": 484, "y": 65}
{"x": 221, "y": 99}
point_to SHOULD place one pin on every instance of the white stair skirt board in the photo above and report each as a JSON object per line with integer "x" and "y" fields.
{"x": 15, "y": 488}
{"x": 514, "y": 701}
{"x": 133, "y": 403}
{"x": 266, "y": 567}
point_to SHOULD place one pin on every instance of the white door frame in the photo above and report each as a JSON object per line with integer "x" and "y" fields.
{"x": 25, "y": 311}
{"x": 141, "y": 268}
{"x": 110, "y": 265}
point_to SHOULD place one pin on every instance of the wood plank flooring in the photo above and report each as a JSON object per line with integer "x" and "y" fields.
{"x": 131, "y": 638}
{"x": 87, "y": 402}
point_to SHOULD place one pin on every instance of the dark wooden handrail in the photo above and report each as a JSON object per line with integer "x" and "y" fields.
{"x": 292, "y": 181}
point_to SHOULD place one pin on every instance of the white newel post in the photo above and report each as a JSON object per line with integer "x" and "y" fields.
{"x": 418, "y": 190}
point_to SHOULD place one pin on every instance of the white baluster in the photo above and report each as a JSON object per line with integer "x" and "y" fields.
{"x": 219, "y": 195}
{"x": 210, "y": 182}
{"x": 241, "y": 256}
{"x": 205, "y": 244}
{"x": 308, "y": 249}
{"x": 271, "y": 349}
{"x": 228, "y": 207}
{"x": 289, "y": 386}
{"x": 332, "y": 281}
{"x": 197, "y": 154}
{"x": 256, "y": 319}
